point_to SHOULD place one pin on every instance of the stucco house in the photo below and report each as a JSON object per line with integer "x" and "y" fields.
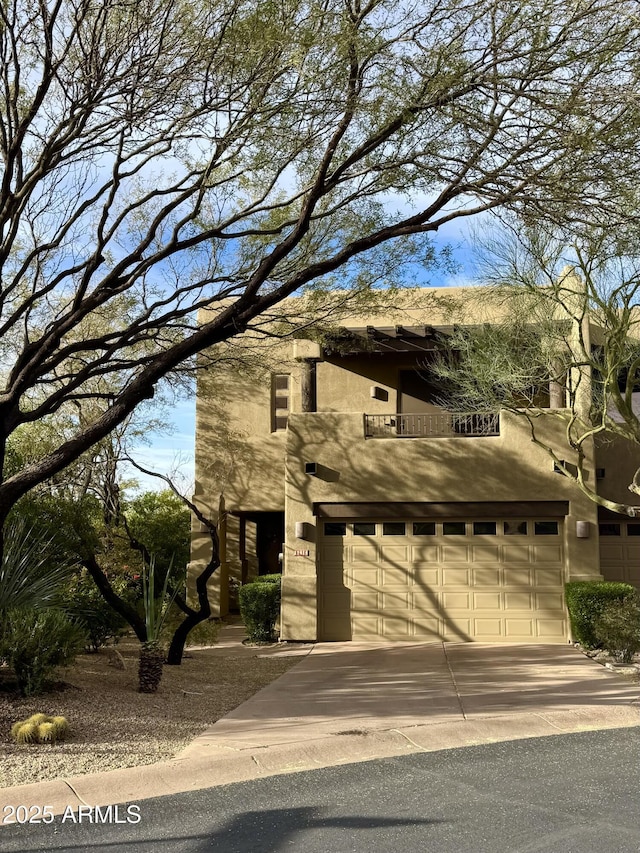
{"x": 390, "y": 517}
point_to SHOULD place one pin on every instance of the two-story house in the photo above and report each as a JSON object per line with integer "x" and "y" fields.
{"x": 390, "y": 517}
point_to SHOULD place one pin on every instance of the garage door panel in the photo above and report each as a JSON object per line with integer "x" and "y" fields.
{"x": 485, "y": 554}
{"x": 364, "y": 553}
{"x": 516, "y": 554}
{"x": 485, "y": 628}
{"x": 518, "y": 601}
{"x": 456, "y": 601}
{"x": 516, "y": 629}
{"x": 547, "y": 554}
{"x": 425, "y": 553}
{"x": 396, "y": 575}
{"x": 549, "y": 601}
{"x": 431, "y": 584}
{"x": 487, "y": 601}
{"x": 395, "y": 554}
{"x": 486, "y": 577}
{"x": 548, "y": 577}
{"x": 455, "y": 577}
{"x": 518, "y": 577}
{"x": 424, "y": 576}
{"x": 455, "y": 553}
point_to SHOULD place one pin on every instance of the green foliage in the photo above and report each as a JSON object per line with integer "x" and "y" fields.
{"x": 40, "y": 728}
{"x": 156, "y": 607}
{"x": 162, "y": 522}
{"x": 586, "y": 600}
{"x": 32, "y": 569}
{"x": 617, "y": 628}
{"x": 33, "y": 643}
{"x": 260, "y": 607}
{"x": 82, "y": 601}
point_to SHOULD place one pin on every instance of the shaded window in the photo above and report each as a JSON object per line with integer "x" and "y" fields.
{"x": 454, "y": 528}
{"x": 515, "y": 528}
{"x": 424, "y": 528}
{"x": 280, "y": 401}
{"x": 545, "y": 528}
{"x": 393, "y": 528}
{"x": 364, "y": 528}
{"x": 608, "y": 529}
{"x": 633, "y": 529}
{"x": 484, "y": 528}
{"x": 335, "y": 528}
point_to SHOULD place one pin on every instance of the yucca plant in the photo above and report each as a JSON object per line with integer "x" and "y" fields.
{"x": 156, "y": 610}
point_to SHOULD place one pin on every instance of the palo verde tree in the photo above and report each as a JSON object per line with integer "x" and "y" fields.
{"x": 570, "y": 326}
{"x": 161, "y": 157}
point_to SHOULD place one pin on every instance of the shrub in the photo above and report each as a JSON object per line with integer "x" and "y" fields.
{"x": 34, "y": 643}
{"x": 82, "y": 601}
{"x": 40, "y": 729}
{"x": 586, "y": 600}
{"x": 617, "y": 628}
{"x": 260, "y": 607}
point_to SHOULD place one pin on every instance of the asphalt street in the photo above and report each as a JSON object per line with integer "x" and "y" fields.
{"x": 577, "y": 793}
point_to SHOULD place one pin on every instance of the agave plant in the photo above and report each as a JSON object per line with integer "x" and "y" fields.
{"x": 156, "y": 610}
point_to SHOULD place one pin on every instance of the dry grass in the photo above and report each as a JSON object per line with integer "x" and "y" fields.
{"x": 112, "y": 725}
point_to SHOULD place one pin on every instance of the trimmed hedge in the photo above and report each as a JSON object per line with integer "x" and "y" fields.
{"x": 586, "y": 600}
{"x": 260, "y": 607}
{"x": 618, "y": 629}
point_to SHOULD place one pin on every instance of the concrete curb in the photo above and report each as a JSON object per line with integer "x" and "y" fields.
{"x": 219, "y": 765}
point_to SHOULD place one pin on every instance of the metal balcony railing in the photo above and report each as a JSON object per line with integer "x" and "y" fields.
{"x": 433, "y": 425}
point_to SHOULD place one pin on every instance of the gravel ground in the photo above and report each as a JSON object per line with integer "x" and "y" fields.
{"x": 112, "y": 725}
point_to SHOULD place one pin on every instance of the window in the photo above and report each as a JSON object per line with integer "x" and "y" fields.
{"x": 454, "y": 528}
{"x": 484, "y": 528}
{"x": 424, "y": 528}
{"x": 609, "y": 529}
{"x": 633, "y": 529}
{"x": 364, "y": 528}
{"x": 280, "y": 401}
{"x": 335, "y": 528}
{"x": 515, "y": 528}
{"x": 393, "y": 528}
{"x": 545, "y": 528}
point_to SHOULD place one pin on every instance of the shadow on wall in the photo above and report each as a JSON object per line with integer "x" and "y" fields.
{"x": 404, "y": 470}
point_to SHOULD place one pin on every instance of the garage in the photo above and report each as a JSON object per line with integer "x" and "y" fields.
{"x": 489, "y": 579}
{"x": 620, "y": 549}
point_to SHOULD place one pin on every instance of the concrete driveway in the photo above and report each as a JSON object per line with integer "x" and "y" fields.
{"x": 348, "y": 702}
{"x": 429, "y": 696}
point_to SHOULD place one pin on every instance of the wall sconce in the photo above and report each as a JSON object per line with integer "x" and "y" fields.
{"x": 304, "y": 530}
{"x": 583, "y": 529}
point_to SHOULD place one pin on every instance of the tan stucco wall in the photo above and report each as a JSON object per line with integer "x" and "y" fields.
{"x": 502, "y": 468}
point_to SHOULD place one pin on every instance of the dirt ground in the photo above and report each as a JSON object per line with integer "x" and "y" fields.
{"x": 112, "y": 725}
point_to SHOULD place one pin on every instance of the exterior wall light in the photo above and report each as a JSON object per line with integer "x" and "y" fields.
{"x": 303, "y": 530}
{"x": 583, "y": 529}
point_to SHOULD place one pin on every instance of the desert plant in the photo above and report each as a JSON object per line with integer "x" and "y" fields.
{"x": 31, "y": 571}
{"x": 82, "y": 600}
{"x": 33, "y": 643}
{"x": 156, "y": 611}
{"x": 617, "y": 629}
{"x": 40, "y": 728}
{"x": 260, "y": 608}
{"x": 586, "y": 600}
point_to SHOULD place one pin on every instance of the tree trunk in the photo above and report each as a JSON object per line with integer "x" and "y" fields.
{"x": 176, "y": 649}
{"x": 113, "y": 599}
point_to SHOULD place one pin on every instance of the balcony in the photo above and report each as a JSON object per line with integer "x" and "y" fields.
{"x": 433, "y": 425}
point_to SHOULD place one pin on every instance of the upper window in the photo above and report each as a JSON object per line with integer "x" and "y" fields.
{"x": 280, "y": 401}
{"x": 607, "y": 529}
{"x": 454, "y": 528}
{"x": 545, "y": 528}
{"x": 515, "y": 528}
{"x": 484, "y": 528}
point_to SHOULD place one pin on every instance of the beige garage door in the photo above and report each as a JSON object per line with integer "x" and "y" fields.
{"x": 620, "y": 551}
{"x": 484, "y": 579}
